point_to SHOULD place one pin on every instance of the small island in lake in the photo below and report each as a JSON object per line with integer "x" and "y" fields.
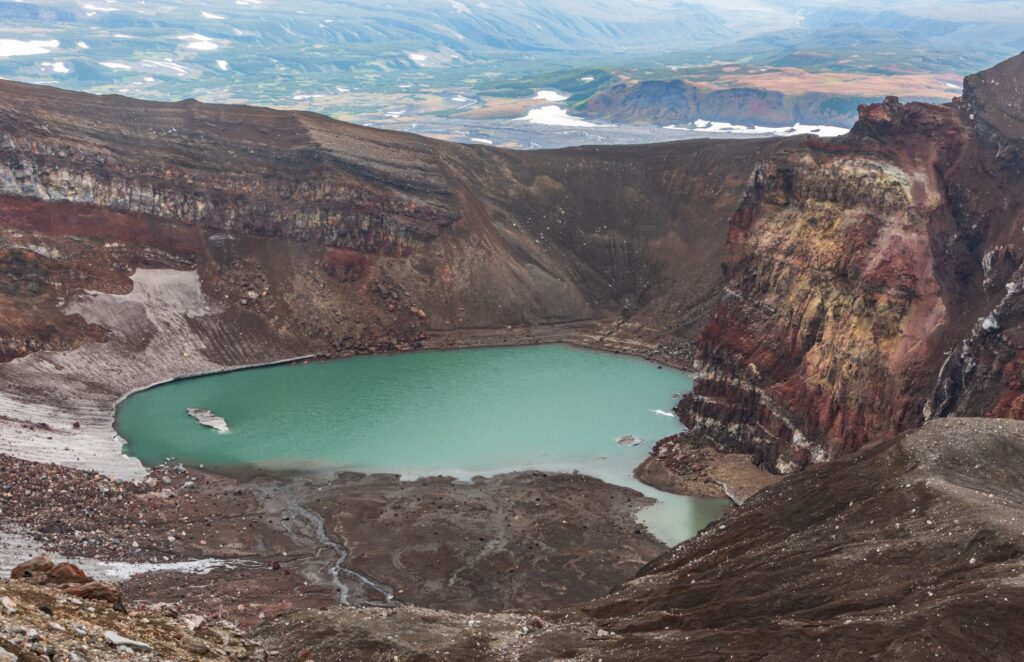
{"x": 208, "y": 418}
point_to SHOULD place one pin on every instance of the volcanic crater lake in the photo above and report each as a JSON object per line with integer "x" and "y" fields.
{"x": 458, "y": 413}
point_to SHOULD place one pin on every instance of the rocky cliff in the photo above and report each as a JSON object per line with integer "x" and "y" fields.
{"x": 473, "y": 237}
{"x": 679, "y": 102}
{"x": 144, "y": 241}
{"x": 868, "y": 278}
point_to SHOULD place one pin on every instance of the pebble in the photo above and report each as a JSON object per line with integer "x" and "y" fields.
{"x": 117, "y": 640}
{"x": 9, "y": 605}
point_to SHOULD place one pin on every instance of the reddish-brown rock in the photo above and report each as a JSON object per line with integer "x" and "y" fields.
{"x": 330, "y": 232}
{"x": 66, "y": 573}
{"x": 34, "y": 568}
{"x": 96, "y": 591}
{"x": 872, "y": 282}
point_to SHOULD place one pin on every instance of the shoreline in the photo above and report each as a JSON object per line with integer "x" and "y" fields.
{"x": 251, "y": 366}
{"x": 293, "y": 543}
{"x": 652, "y": 518}
{"x": 61, "y": 406}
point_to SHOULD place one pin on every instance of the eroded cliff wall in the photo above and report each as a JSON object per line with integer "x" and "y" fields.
{"x": 348, "y": 238}
{"x": 143, "y": 241}
{"x": 864, "y": 275}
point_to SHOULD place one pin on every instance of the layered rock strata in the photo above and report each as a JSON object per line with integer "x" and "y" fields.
{"x": 867, "y": 278}
{"x": 145, "y": 241}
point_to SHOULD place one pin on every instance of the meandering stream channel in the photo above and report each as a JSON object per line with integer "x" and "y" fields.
{"x": 460, "y": 413}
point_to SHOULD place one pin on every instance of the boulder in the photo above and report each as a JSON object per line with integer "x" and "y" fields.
{"x": 114, "y": 639}
{"x": 96, "y": 591}
{"x": 193, "y": 621}
{"x": 66, "y": 573}
{"x": 34, "y": 568}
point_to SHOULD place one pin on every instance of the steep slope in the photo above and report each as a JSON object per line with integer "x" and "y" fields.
{"x": 540, "y": 241}
{"x": 855, "y": 268}
{"x": 910, "y": 550}
{"x": 143, "y": 241}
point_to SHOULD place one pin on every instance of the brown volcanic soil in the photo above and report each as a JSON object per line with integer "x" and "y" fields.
{"x": 678, "y": 465}
{"x": 910, "y": 550}
{"x": 512, "y": 541}
{"x": 509, "y": 542}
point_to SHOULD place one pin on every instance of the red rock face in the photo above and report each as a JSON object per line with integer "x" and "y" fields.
{"x": 860, "y": 272}
{"x": 342, "y": 238}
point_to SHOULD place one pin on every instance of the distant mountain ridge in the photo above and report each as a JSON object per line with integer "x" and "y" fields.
{"x": 663, "y": 102}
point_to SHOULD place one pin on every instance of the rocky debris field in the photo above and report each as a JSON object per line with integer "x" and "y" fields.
{"x": 250, "y": 549}
{"x": 48, "y": 623}
{"x": 910, "y": 550}
{"x": 408, "y": 633}
{"x": 528, "y": 540}
{"x": 83, "y": 513}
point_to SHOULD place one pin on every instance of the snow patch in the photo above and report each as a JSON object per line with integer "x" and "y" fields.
{"x": 122, "y": 571}
{"x": 116, "y": 65}
{"x": 222, "y": 65}
{"x": 708, "y": 126}
{"x": 207, "y": 418}
{"x": 550, "y": 95}
{"x": 167, "y": 64}
{"x": 554, "y": 116}
{"x": 15, "y": 47}
{"x": 198, "y": 42}
{"x": 212, "y": 16}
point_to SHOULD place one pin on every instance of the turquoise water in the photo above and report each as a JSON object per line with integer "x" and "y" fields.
{"x": 459, "y": 413}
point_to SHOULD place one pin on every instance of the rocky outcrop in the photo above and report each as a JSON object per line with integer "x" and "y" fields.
{"x": 677, "y": 101}
{"x": 861, "y": 273}
{"x": 267, "y": 174}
